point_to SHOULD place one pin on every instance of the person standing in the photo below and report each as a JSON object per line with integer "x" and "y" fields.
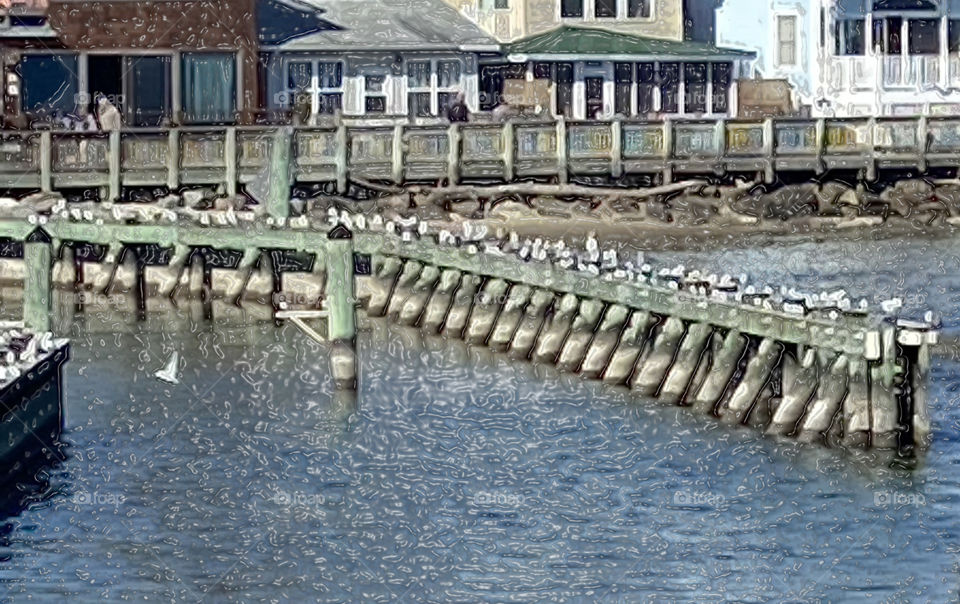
{"x": 458, "y": 111}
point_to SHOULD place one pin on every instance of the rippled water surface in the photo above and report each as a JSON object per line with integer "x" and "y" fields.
{"x": 458, "y": 476}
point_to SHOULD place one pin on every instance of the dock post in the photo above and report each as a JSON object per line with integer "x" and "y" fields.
{"x": 278, "y": 197}
{"x": 36, "y": 291}
{"x": 341, "y": 322}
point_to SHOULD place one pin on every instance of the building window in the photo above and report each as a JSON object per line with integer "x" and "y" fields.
{"x": 623, "y": 76}
{"x": 433, "y": 86}
{"x": 695, "y": 87}
{"x": 787, "y": 40}
{"x": 149, "y": 90}
{"x": 605, "y": 9}
{"x": 317, "y": 85}
{"x": 375, "y": 95}
{"x": 502, "y": 4}
{"x": 209, "y": 87}
{"x": 571, "y": 9}
{"x": 953, "y": 35}
{"x": 639, "y": 9}
{"x": 924, "y": 37}
{"x": 722, "y": 76}
{"x": 565, "y": 89}
{"x": 850, "y": 37}
{"x": 646, "y": 87}
{"x": 49, "y": 84}
{"x": 670, "y": 87}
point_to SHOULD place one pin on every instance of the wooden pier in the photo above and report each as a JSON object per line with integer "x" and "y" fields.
{"x": 399, "y": 152}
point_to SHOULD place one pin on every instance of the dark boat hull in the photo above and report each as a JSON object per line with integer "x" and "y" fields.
{"x": 31, "y": 415}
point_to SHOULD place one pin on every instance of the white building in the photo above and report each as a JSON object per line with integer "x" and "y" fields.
{"x": 854, "y": 57}
{"x": 386, "y": 58}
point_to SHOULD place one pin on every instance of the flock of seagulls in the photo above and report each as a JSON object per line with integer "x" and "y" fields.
{"x": 609, "y": 265}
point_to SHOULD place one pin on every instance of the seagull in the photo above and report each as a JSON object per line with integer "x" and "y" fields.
{"x": 169, "y": 372}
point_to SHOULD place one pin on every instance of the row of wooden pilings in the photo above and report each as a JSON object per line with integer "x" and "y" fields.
{"x": 783, "y": 388}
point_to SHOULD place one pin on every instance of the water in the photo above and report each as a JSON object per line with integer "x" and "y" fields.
{"x": 458, "y": 476}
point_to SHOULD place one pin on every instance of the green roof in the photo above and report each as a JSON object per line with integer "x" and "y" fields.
{"x": 583, "y": 41}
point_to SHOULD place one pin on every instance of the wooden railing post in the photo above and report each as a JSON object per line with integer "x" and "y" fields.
{"x": 871, "y": 160}
{"x": 667, "y": 151}
{"x": 280, "y": 175}
{"x": 769, "y": 150}
{"x": 506, "y": 137}
{"x": 562, "y": 149}
{"x": 396, "y": 155}
{"x": 616, "y": 148}
{"x": 453, "y": 154}
{"x": 821, "y": 143}
{"x": 173, "y": 159}
{"x": 923, "y": 141}
{"x": 46, "y": 161}
{"x": 36, "y": 288}
{"x": 114, "y": 159}
{"x": 340, "y": 140}
{"x": 230, "y": 160}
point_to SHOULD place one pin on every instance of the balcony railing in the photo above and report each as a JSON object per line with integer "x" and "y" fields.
{"x": 490, "y": 151}
{"x": 893, "y": 72}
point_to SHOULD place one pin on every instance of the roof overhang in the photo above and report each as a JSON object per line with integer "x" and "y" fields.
{"x": 648, "y": 58}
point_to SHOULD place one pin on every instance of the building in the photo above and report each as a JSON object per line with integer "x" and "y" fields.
{"x": 185, "y": 62}
{"x": 597, "y": 73}
{"x": 854, "y": 57}
{"x": 404, "y": 58}
{"x": 509, "y": 20}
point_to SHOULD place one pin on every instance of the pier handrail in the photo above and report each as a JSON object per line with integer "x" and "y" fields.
{"x": 397, "y": 150}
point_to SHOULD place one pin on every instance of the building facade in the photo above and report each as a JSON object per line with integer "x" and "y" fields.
{"x": 854, "y": 57}
{"x": 509, "y": 20}
{"x": 381, "y": 58}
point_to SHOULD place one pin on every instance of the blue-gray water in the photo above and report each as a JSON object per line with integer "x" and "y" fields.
{"x": 458, "y": 476}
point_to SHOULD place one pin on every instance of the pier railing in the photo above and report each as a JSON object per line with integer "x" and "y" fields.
{"x": 397, "y": 151}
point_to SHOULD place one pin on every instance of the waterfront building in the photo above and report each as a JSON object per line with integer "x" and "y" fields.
{"x": 381, "y": 58}
{"x": 189, "y": 62}
{"x": 849, "y": 58}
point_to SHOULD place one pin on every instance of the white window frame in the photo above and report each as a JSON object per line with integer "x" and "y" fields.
{"x": 778, "y": 59}
{"x": 384, "y": 91}
{"x": 434, "y": 89}
{"x": 315, "y": 89}
{"x": 590, "y": 13}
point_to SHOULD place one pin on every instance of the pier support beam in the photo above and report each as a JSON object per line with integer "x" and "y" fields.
{"x": 341, "y": 304}
{"x": 36, "y": 292}
{"x": 281, "y": 174}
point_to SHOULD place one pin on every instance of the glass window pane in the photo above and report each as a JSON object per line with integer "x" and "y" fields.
{"x": 329, "y": 103}
{"x": 623, "y": 99}
{"x": 669, "y": 87}
{"x": 638, "y": 8}
{"x": 374, "y": 83}
{"x": 49, "y": 83}
{"x": 541, "y": 71}
{"x": 209, "y": 87}
{"x": 331, "y": 75}
{"x": 445, "y": 100}
{"x": 420, "y": 104}
{"x": 418, "y": 74}
{"x": 299, "y": 74}
{"x": 924, "y": 36}
{"x": 571, "y": 8}
{"x": 721, "y": 86}
{"x": 448, "y": 74}
{"x": 623, "y": 72}
{"x": 605, "y": 8}
{"x": 375, "y": 104}
{"x": 151, "y": 90}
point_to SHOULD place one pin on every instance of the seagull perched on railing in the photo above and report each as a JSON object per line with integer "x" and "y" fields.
{"x": 892, "y": 305}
